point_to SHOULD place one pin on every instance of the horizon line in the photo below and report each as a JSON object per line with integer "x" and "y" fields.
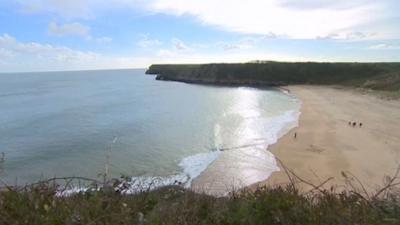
{"x": 139, "y": 68}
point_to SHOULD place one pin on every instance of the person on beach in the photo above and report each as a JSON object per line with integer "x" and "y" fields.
{"x": 354, "y": 124}
{"x": 349, "y": 123}
{"x": 176, "y": 182}
{"x": 295, "y": 135}
{"x": 361, "y": 124}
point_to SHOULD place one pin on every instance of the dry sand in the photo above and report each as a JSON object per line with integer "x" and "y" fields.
{"x": 326, "y": 145}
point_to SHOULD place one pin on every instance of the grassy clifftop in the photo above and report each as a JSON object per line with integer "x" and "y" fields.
{"x": 38, "y": 204}
{"x": 377, "y": 76}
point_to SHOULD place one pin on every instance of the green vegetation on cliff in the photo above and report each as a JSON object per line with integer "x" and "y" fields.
{"x": 38, "y": 205}
{"x": 376, "y": 76}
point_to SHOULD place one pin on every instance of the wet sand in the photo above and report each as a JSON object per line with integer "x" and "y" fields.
{"x": 233, "y": 170}
{"x": 326, "y": 145}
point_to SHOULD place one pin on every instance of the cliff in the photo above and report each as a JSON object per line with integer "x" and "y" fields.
{"x": 379, "y": 76}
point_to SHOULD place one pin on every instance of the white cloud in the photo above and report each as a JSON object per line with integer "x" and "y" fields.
{"x": 166, "y": 53}
{"x": 17, "y": 56}
{"x": 350, "y": 36}
{"x": 318, "y": 19}
{"x": 5, "y": 54}
{"x": 274, "y": 18}
{"x": 82, "y": 9}
{"x": 228, "y": 46}
{"x": 179, "y": 45}
{"x": 69, "y": 29}
{"x": 246, "y": 43}
{"x": 384, "y": 47}
{"x": 37, "y": 50}
{"x": 147, "y": 42}
{"x": 65, "y": 8}
{"x": 29, "y": 56}
{"x": 317, "y": 4}
{"x": 75, "y": 30}
{"x": 270, "y": 35}
{"x": 178, "y": 49}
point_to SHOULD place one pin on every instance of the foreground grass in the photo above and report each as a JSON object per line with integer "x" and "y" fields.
{"x": 38, "y": 204}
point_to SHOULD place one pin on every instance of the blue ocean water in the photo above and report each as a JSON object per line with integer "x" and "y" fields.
{"x": 66, "y": 123}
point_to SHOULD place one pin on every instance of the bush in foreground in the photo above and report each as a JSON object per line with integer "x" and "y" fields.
{"x": 39, "y": 204}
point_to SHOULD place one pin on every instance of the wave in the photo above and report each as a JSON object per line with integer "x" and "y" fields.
{"x": 192, "y": 167}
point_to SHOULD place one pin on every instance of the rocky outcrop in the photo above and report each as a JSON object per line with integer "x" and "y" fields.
{"x": 275, "y": 73}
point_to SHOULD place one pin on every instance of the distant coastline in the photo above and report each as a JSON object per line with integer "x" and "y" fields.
{"x": 375, "y": 76}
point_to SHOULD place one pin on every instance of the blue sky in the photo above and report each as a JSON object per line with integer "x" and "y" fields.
{"x": 46, "y": 35}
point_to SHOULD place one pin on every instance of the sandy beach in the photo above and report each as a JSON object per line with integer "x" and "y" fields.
{"x": 326, "y": 145}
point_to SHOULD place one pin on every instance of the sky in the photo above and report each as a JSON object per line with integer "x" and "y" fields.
{"x": 54, "y": 35}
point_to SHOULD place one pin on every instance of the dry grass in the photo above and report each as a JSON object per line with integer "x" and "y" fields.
{"x": 101, "y": 204}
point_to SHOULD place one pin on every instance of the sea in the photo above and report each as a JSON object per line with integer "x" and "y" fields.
{"x": 84, "y": 123}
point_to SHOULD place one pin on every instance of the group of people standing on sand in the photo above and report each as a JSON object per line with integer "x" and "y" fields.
{"x": 354, "y": 124}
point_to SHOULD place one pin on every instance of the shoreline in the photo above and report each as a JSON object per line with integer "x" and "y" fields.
{"x": 326, "y": 145}
{"x": 242, "y": 166}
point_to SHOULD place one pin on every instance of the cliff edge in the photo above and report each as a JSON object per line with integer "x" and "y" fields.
{"x": 379, "y": 76}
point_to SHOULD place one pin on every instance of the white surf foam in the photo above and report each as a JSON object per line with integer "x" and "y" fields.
{"x": 71, "y": 191}
{"x": 195, "y": 164}
{"x": 192, "y": 166}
